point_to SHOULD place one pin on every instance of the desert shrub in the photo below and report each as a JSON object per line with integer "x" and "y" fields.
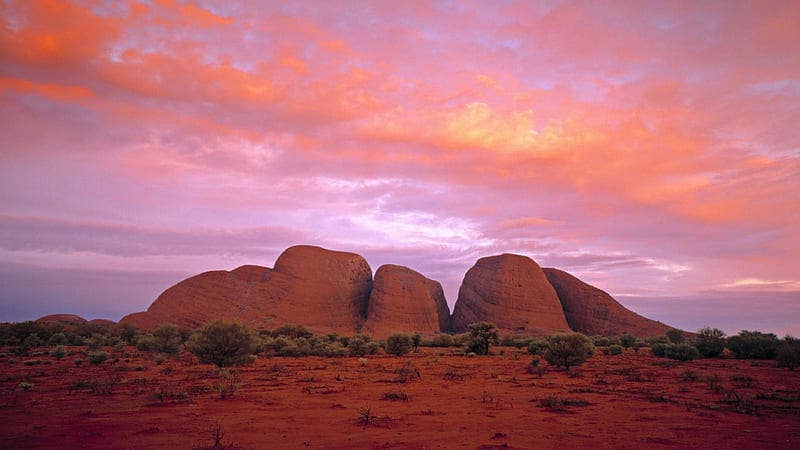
{"x": 399, "y": 344}
{"x": 224, "y": 344}
{"x": 145, "y": 342}
{"x": 361, "y": 345}
{"x": 58, "y": 339}
{"x": 443, "y": 340}
{"x": 682, "y": 352}
{"x": 535, "y": 368}
{"x": 600, "y": 341}
{"x": 788, "y": 353}
{"x": 568, "y": 350}
{"x": 97, "y": 358}
{"x": 58, "y": 352}
{"x": 32, "y": 340}
{"x": 537, "y": 346}
{"x": 416, "y": 340}
{"x": 396, "y": 396}
{"x": 227, "y": 384}
{"x": 127, "y": 333}
{"x": 627, "y": 340}
{"x": 710, "y": 342}
{"x": 481, "y": 336}
{"x": 614, "y": 349}
{"x": 167, "y": 338}
{"x": 292, "y": 331}
{"x": 659, "y": 349}
{"x": 675, "y": 335}
{"x": 753, "y": 345}
{"x": 652, "y": 340}
{"x": 407, "y": 372}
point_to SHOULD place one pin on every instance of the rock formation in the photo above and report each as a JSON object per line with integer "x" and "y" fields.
{"x": 403, "y": 300}
{"x": 330, "y": 291}
{"x": 62, "y": 318}
{"x": 512, "y": 292}
{"x": 592, "y": 311}
{"x": 322, "y": 289}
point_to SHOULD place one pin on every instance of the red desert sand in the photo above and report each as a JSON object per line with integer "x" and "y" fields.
{"x": 431, "y": 399}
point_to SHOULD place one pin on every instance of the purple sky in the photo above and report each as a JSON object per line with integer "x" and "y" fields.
{"x": 650, "y": 148}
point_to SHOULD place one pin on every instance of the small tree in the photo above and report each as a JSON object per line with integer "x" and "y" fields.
{"x": 416, "y": 339}
{"x": 399, "y": 344}
{"x": 224, "y": 344}
{"x": 788, "y": 353}
{"x": 682, "y": 352}
{"x": 710, "y": 342}
{"x": 753, "y": 345}
{"x": 675, "y": 336}
{"x": 627, "y": 340}
{"x": 167, "y": 338}
{"x": 481, "y": 336}
{"x": 568, "y": 350}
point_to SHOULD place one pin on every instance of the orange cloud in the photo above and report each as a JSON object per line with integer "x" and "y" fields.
{"x": 54, "y": 32}
{"x": 49, "y": 90}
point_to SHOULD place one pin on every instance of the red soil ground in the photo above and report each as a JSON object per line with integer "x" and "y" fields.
{"x": 626, "y": 401}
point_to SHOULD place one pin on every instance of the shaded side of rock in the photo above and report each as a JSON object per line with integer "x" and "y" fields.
{"x": 592, "y": 311}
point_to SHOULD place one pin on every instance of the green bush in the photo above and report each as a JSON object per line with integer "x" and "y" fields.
{"x": 481, "y": 336}
{"x": 614, "y": 349}
{"x": 292, "y": 331}
{"x": 97, "y": 358}
{"x": 224, "y": 344}
{"x": 361, "y": 345}
{"x": 600, "y": 341}
{"x": 710, "y": 342}
{"x": 659, "y": 349}
{"x": 675, "y": 336}
{"x": 753, "y": 345}
{"x": 568, "y": 350}
{"x": 167, "y": 338}
{"x": 145, "y": 342}
{"x": 399, "y": 344}
{"x": 788, "y": 353}
{"x": 32, "y": 340}
{"x": 627, "y": 340}
{"x": 59, "y": 351}
{"x": 682, "y": 352}
{"x": 443, "y": 340}
{"x": 537, "y": 346}
{"x": 58, "y": 339}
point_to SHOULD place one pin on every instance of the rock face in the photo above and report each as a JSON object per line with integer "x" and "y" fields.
{"x": 322, "y": 289}
{"x": 403, "y": 300}
{"x": 63, "y": 318}
{"x": 592, "y": 311}
{"x": 330, "y": 291}
{"x": 512, "y": 292}
{"x": 326, "y": 290}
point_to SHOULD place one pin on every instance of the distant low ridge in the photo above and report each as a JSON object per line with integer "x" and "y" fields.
{"x": 332, "y": 291}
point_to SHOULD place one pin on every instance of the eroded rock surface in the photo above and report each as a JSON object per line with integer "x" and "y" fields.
{"x": 592, "y": 311}
{"x": 403, "y": 300}
{"x": 512, "y": 292}
{"x": 322, "y": 289}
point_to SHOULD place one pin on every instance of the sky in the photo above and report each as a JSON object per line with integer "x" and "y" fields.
{"x": 649, "y": 148}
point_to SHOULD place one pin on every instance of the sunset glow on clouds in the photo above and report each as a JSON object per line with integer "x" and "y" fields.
{"x": 652, "y": 149}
